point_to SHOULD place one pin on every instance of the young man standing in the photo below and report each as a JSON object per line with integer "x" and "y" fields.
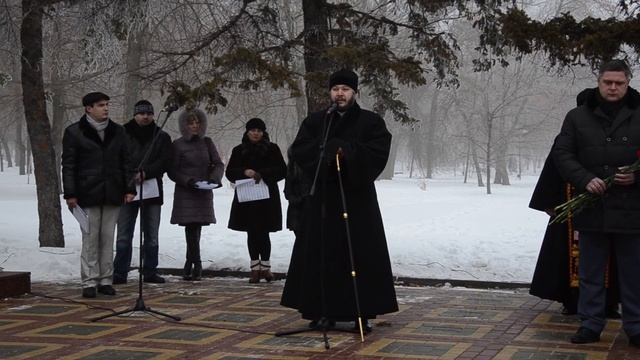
{"x": 96, "y": 175}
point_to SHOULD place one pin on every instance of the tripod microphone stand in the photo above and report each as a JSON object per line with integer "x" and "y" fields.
{"x": 140, "y": 305}
{"x": 324, "y": 324}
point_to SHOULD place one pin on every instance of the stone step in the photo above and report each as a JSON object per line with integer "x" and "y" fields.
{"x": 13, "y": 283}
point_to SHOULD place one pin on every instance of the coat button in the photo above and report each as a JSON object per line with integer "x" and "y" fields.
{"x": 608, "y": 139}
{"x": 606, "y": 167}
{"x": 624, "y": 138}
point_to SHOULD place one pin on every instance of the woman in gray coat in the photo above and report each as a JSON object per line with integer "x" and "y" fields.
{"x": 196, "y": 168}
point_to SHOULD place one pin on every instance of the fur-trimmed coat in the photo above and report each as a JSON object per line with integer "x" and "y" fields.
{"x": 194, "y": 158}
{"x": 593, "y": 144}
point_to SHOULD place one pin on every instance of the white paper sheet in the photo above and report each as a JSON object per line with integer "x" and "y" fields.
{"x": 248, "y": 190}
{"x": 150, "y": 188}
{"x": 205, "y": 185}
{"x": 82, "y": 217}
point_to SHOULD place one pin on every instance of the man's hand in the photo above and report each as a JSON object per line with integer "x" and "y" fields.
{"x": 72, "y": 202}
{"x": 128, "y": 198}
{"x": 340, "y": 153}
{"x": 551, "y": 212}
{"x": 249, "y": 173}
{"x": 624, "y": 178}
{"x": 257, "y": 177}
{"x": 596, "y": 186}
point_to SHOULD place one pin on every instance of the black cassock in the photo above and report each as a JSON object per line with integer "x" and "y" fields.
{"x": 365, "y": 142}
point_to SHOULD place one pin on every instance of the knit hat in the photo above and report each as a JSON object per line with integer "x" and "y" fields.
{"x": 256, "y": 123}
{"x": 344, "y": 77}
{"x": 142, "y": 106}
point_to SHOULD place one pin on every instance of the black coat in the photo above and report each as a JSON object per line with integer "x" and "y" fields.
{"x": 366, "y": 142}
{"x": 591, "y": 145}
{"x": 266, "y": 159}
{"x": 96, "y": 172}
{"x": 296, "y": 190}
{"x": 159, "y": 158}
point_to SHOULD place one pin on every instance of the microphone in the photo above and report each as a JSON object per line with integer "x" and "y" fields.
{"x": 332, "y": 108}
{"x": 170, "y": 108}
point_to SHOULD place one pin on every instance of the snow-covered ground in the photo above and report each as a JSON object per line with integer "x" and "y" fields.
{"x": 438, "y": 228}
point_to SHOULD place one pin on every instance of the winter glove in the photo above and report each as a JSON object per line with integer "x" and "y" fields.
{"x": 332, "y": 149}
{"x": 192, "y": 183}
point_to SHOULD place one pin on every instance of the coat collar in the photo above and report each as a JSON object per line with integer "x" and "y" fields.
{"x": 589, "y": 98}
{"x": 90, "y": 132}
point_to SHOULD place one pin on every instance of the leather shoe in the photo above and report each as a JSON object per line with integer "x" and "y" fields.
{"x": 585, "y": 336}
{"x": 155, "y": 279}
{"x": 635, "y": 340}
{"x": 89, "y": 292}
{"x": 106, "y": 290}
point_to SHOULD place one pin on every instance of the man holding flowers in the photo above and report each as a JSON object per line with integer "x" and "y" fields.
{"x": 596, "y": 152}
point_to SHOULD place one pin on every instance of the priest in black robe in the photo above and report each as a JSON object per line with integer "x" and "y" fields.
{"x": 319, "y": 282}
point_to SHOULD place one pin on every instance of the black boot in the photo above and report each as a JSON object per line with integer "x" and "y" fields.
{"x": 197, "y": 263}
{"x": 187, "y": 270}
{"x": 197, "y": 271}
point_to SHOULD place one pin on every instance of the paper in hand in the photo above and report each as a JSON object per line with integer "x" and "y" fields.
{"x": 248, "y": 190}
{"x": 150, "y": 188}
{"x": 205, "y": 185}
{"x": 82, "y": 217}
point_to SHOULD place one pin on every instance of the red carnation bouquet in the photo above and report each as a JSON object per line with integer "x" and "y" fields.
{"x": 578, "y": 203}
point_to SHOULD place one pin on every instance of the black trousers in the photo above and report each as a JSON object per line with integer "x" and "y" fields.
{"x": 259, "y": 245}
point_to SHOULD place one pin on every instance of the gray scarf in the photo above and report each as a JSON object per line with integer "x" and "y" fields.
{"x": 99, "y": 126}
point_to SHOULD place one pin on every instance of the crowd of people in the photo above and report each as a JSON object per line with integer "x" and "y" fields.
{"x": 587, "y": 263}
{"x": 104, "y": 164}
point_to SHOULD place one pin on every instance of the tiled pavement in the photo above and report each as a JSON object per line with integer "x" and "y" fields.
{"x": 231, "y": 319}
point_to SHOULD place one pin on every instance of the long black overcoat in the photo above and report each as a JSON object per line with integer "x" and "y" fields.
{"x": 320, "y": 259}
{"x": 266, "y": 159}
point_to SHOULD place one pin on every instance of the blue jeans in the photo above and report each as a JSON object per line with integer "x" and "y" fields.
{"x": 126, "y": 226}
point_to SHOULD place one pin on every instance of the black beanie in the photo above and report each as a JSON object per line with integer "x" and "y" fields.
{"x": 256, "y": 123}
{"x": 142, "y": 106}
{"x": 344, "y": 77}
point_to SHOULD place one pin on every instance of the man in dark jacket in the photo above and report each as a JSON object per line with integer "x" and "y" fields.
{"x": 141, "y": 131}
{"x": 597, "y": 141}
{"x": 319, "y": 281}
{"x": 95, "y": 174}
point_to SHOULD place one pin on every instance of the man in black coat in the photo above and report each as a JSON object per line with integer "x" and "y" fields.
{"x": 556, "y": 274}
{"x": 319, "y": 282}
{"x": 141, "y": 131}
{"x": 597, "y": 140}
{"x": 95, "y": 173}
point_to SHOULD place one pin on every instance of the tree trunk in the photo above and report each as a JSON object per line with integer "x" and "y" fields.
{"x": 49, "y": 210}
{"x": 7, "y": 152}
{"x": 317, "y": 67}
{"x": 502, "y": 175}
{"x": 57, "y": 125}
{"x": 431, "y": 146}
{"x": 20, "y": 149}
{"x": 476, "y": 165}
{"x": 135, "y": 49}
{"x": 488, "y": 164}
{"x": 296, "y": 61}
{"x": 466, "y": 165}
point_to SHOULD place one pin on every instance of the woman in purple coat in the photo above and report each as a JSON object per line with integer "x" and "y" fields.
{"x": 195, "y": 168}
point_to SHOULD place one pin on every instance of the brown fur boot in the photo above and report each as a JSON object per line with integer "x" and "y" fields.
{"x": 255, "y": 272}
{"x": 265, "y": 270}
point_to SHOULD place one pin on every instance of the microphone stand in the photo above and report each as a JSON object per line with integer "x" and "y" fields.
{"x": 140, "y": 305}
{"x": 323, "y": 324}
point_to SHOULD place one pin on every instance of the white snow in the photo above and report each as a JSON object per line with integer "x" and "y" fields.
{"x": 440, "y": 228}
